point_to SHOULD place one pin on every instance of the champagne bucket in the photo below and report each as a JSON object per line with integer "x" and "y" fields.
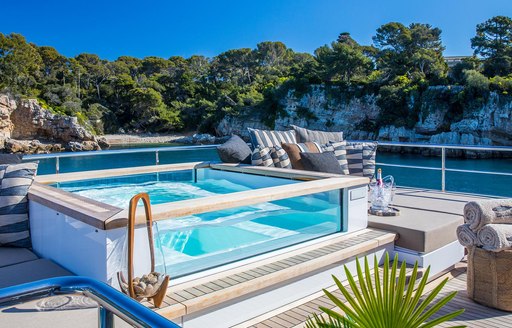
{"x": 381, "y": 195}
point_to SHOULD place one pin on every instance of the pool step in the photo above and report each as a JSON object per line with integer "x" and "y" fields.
{"x": 233, "y": 296}
{"x": 295, "y": 314}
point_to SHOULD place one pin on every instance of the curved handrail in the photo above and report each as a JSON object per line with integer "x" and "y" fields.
{"x": 110, "y": 299}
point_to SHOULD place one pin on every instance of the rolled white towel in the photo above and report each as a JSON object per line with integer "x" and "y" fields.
{"x": 492, "y": 211}
{"x": 466, "y": 236}
{"x": 495, "y": 237}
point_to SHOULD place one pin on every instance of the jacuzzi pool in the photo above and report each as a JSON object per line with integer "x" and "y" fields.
{"x": 197, "y": 242}
{"x": 205, "y": 215}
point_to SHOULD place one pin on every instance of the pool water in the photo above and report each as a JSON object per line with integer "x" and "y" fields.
{"x": 197, "y": 242}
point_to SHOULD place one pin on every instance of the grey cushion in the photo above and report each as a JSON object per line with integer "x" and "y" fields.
{"x": 10, "y": 158}
{"x": 16, "y": 180}
{"x": 280, "y": 158}
{"x": 261, "y": 157}
{"x": 267, "y": 138}
{"x": 321, "y": 162}
{"x": 30, "y": 271}
{"x": 235, "y": 150}
{"x": 15, "y": 255}
{"x": 361, "y": 158}
{"x": 322, "y": 137}
{"x": 419, "y": 230}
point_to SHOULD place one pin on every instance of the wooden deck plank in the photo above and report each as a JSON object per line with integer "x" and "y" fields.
{"x": 475, "y": 315}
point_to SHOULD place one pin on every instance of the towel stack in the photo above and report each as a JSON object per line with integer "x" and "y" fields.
{"x": 487, "y": 224}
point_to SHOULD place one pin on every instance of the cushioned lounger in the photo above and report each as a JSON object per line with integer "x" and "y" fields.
{"x": 20, "y": 265}
{"x": 15, "y": 255}
{"x": 30, "y": 271}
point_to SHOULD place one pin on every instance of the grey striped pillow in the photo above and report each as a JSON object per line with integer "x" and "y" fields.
{"x": 340, "y": 152}
{"x": 16, "y": 180}
{"x": 361, "y": 158}
{"x": 280, "y": 158}
{"x": 268, "y": 138}
{"x": 322, "y": 137}
{"x": 262, "y": 157}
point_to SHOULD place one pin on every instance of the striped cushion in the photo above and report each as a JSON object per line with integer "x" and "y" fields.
{"x": 340, "y": 152}
{"x": 261, "y": 157}
{"x": 280, "y": 158}
{"x": 267, "y": 138}
{"x": 16, "y": 179}
{"x": 322, "y": 137}
{"x": 361, "y": 158}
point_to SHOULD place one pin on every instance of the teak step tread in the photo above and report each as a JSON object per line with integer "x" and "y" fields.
{"x": 194, "y": 296}
{"x": 297, "y": 313}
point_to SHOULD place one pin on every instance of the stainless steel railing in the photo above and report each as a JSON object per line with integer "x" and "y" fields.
{"x": 155, "y": 150}
{"x": 110, "y": 301}
{"x": 443, "y": 148}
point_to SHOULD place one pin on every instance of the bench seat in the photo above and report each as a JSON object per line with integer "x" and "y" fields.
{"x": 428, "y": 219}
{"x": 20, "y": 265}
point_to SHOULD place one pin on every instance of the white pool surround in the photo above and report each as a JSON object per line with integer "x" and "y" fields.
{"x": 87, "y": 236}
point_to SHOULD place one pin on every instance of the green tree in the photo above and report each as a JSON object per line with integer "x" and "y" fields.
{"x": 343, "y": 61}
{"x": 19, "y": 64}
{"x": 235, "y": 66}
{"x": 493, "y": 41}
{"x": 97, "y": 71}
{"x": 415, "y": 51}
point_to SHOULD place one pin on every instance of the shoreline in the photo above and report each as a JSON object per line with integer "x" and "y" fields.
{"x": 126, "y": 139}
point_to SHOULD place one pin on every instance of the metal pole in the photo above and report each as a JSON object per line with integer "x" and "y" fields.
{"x": 57, "y": 165}
{"x": 157, "y": 158}
{"x": 105, "y": 318}
{"x": 443, "y": 169}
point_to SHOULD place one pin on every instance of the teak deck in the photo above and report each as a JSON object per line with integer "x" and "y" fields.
{"x": 475, "y": 315}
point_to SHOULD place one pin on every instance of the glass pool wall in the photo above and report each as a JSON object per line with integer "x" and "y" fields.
{"x": 203, "y": 241}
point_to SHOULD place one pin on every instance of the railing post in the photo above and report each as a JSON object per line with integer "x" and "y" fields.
{"x": 443, "y": 169}
{"x": 157, "y": 159}
{"x": 57, "y": 165}
{"x": 105, "y": 318}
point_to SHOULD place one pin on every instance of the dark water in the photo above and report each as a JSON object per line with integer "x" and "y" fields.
{"x": 488, "y": 184}
{"x": 455, "y": 181}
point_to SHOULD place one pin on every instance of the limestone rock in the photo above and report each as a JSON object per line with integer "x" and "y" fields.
{"x": 82, "y": 146}
{"x": 103, "y": 143}
{"x": 27, "y": 127}
{"x": 203, "y": 138}
{"x": 488, "y": 123}
{"x": 7, "y": 106}
{"x": 32, "y": 121}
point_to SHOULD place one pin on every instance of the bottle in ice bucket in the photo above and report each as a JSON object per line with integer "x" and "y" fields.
{"x": 380, "y": 183}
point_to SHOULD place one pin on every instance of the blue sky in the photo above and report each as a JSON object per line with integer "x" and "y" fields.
{"x": 111, "y": 28}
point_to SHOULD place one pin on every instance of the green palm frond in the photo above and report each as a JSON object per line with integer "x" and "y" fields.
{"x": 386, "y": 301}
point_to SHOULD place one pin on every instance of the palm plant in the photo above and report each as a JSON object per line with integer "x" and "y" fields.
{"x": 385, "y": 303}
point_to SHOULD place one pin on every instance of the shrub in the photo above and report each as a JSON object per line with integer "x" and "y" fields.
{"x": 385, "y": 302}
{"x": 476, "y": 83}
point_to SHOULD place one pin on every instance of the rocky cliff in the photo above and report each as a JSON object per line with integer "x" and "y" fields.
{"x": 26, "y": 127}
{"x": 486, "y": 123}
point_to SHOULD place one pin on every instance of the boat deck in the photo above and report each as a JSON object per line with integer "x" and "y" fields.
{"x": 475, "y": 315}
{"x": 214, "y": 291}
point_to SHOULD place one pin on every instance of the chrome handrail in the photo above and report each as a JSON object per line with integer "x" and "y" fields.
{"x": 117, "y": 151}
{"x": 111, "y": 301}
{"x": 156, "y": 150}
{"x": 443, "y": 167}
